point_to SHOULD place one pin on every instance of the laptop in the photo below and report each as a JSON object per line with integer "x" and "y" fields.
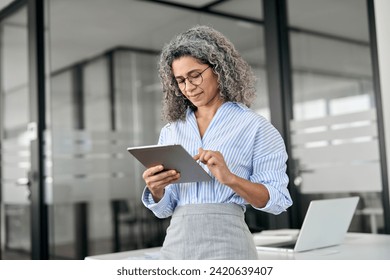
{"x": 326, "y": 223}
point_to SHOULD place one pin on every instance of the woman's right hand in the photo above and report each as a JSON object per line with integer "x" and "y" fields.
{"x": 156, "y": 180}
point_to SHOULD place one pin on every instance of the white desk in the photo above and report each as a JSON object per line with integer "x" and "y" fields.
{"x": 357, "y": 246}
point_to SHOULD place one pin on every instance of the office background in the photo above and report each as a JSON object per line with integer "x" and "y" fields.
{"x": 79, "y": 85}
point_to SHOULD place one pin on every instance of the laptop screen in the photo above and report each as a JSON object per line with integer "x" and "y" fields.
{"x": 326, "y": 223}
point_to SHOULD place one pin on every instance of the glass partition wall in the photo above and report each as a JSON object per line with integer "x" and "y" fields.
{"x": 334, "y": 128}
{"x": 15, "y": 223}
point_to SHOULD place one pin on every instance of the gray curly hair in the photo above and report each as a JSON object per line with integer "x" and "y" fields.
{"x": 235, "y": 77}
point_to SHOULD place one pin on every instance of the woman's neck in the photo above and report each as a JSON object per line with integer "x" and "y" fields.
{"x": 208, "y": 112}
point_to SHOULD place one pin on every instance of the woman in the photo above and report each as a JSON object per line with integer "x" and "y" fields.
{"x": 208, "y": 88}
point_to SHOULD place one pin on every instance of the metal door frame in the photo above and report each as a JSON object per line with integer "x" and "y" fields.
{"x": 39, "y": 209}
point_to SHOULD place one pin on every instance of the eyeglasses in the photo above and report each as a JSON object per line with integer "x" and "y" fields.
{"x": 194, "y": 78}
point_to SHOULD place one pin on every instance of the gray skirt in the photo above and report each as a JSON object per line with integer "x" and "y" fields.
{"x": 208, "y": 231}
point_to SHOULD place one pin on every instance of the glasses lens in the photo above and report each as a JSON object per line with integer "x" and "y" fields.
{"x": 196, "y": 79}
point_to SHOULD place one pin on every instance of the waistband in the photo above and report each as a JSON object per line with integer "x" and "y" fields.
{"x": 209, "y": 208}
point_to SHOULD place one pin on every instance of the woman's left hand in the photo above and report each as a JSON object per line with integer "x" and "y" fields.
{"x": 254, "y": 193}
{"x": 216, "y": 164}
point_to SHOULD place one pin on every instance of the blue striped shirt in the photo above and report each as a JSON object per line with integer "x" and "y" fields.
{"x": 252, "y": 148}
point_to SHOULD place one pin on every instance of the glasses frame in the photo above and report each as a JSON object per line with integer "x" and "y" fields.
{"x": 189, "y": 78}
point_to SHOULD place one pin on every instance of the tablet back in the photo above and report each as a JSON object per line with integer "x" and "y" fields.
{"x": 171, "y": 157}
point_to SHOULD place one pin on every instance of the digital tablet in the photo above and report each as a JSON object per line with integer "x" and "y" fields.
{"x": 171, "y": 157}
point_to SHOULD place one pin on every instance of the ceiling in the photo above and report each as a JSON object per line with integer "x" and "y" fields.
{"x": 80, "y": 30}
{"x": 136, "y": 24}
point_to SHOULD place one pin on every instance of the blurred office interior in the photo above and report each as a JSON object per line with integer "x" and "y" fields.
{"x": 79, "y": 85}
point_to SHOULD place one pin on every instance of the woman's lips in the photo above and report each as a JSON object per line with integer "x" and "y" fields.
{"x": 194, "y": 95}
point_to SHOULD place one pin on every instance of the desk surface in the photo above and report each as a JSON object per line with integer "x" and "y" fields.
{"x": 356, "y": 246}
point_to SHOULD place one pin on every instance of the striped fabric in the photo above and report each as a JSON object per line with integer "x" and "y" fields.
{"x": 253, "y": 149}
{"x": 208, "y": 231}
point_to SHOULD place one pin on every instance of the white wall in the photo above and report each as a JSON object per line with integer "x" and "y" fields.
{"x": 382, "y": 8}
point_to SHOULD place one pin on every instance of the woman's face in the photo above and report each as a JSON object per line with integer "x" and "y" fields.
{"x": 196, "y": 81}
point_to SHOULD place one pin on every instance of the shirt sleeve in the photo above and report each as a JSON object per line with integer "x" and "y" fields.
{"x": 164, "y": 208}
{"x": 269, "y": 168}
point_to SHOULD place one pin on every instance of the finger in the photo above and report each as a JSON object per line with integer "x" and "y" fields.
{"x": 212, "y": 161}
{"x": 162, "y": 183}
{"x": 159, "y": 177}
{"x": 207, "y": 156}
{"x": 152, "y": 171}
{"x": 202, "y": 154}
{"x": 170, "y": 179}
{"x": 196, "y": 157}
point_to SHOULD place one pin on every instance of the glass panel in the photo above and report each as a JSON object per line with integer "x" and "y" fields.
{"x": 104, "y": 63}
{"x": 15, "y": 149}
{"x": 62, "y": 101}
{"x": 61, "y": 215}
{"x": 334, "y": 126}
{"x": 96, "y": 95}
